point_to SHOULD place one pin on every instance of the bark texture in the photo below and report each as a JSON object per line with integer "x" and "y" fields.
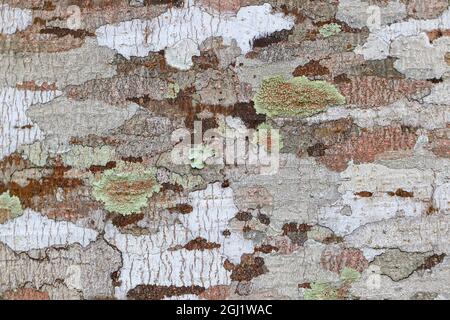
{"x": 233, "y": 149}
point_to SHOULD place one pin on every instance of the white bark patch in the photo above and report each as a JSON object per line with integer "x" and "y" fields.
{"x": 418, "y": 58}
{"x": 14, "y": 19}
{"x": 441, "y": 198}
{"x": 440, "y": 94}
{"x": 408, "y": 113}
{"x": 191, "y": 25}
{"x": 147, "y": 260}
{"x": 359, "y": 14}
{"x": 353, "y": 211}
{"x": 34, "y": 231}
{"x": 62, "y": 119}
{"x": 378, "y": 43}
{"x": 73, "y": 67}
{"x": 16, "y": 128}
{"x": 412, "y": 234}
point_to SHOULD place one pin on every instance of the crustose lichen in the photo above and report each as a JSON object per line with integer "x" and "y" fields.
{"x": 295, "y": 97}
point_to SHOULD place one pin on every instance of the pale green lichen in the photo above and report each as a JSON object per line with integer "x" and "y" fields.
{"x": 295, "y": 97}
{"x": 186, "y": 181}
{"x": 172, "y": 91}
{"x": 84, "y": 156}
{"x": 199, "y": 154}
{"x": 329, "y": 30}
{"x": 349, "y": 275}
{"x": 320, "y": 291}
{"x": 35, "y": 153}
{"x": 126, "y": 188}
{"x": 329, "y": 291}
{"x": 10, "y": 207}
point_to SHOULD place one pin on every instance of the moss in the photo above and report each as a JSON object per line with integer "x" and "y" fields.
{"x": 329, "y": 30}
{"x": 321, "y": 291}
{"x": 199, "y": 154}
{"x": 295, "y": 97}
{"x": 349, "y": 275}
{"x": 126, "y": 188}
{"x": 10, "y": 207}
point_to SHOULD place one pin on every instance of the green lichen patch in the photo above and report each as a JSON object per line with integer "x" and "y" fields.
{"x": 329, "y": 30}
{"x": 295, "y": 97}
{"x": 84, "y": 156}
{"x": 172, "y": 91}
{"x": 349, "y": 275}
{"x": 10, "y": 207}
{"x": 199, "y": 154}
{"x": 321, "y": 291}
{"x": 126, "y": 188}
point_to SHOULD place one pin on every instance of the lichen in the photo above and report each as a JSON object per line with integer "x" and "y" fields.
{"x": 349, "y": 275}
{"x": 295, "y": 97}
{"x": 126, "y": 188}
{"x": 329, "y": 30}
{"x": 172, "y": 91}
{"x": 321, "y": 291}
{"x": 84, "y": 156}
{"x": 199, "y": 154}
{"x": 10, "y": 207}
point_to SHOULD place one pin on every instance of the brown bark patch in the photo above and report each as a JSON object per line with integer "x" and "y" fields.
{"x": 219, "y": 292}
{"x": 155, "y": 292}
{"x": 26, "y": 294}
{"x": 298, "y": 233}
{"x": 244, "y": 216}
{"x": 120, "y": 220}
{"x": 47, "y": 185}
{"x": 249, "y": 268}
{"x": 371, "y": 91}
{"x": 107, "y": 166}
{"x": 201, "y": 244}
{"x": 364, "y": 194}
{"x": 402, "y": 193}
{"x": 266, "y": 248}
{"x": 312, "y": 68}
{"x": 222, "y": 5}
{"x": 32, "y": 86}
{"x": 182, "y": 208}
{"x": 62, "y": 32}
{"x": 437, "y": 33}
{"x": 337, "y": 259}
{"x": 366, "y": 145}
{"x": 275, "y": 37}
{"x": 432, "y": 261}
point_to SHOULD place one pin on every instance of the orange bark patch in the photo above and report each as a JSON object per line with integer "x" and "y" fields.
{"x": 440, "y": 142}
{"x": 219, "y": 292}
{"x": 312, "y": 68}
{"x": 26, "y": 294}
{"x": 336, "y": 259}
{"x": 222, "y": 5}
{"x": 31, "y": 193}
{"x": 32, "y": 86}
{"x": 373, "y": 91}
{"x": 363, "y": 147}
{"x": 437, "y": 33}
